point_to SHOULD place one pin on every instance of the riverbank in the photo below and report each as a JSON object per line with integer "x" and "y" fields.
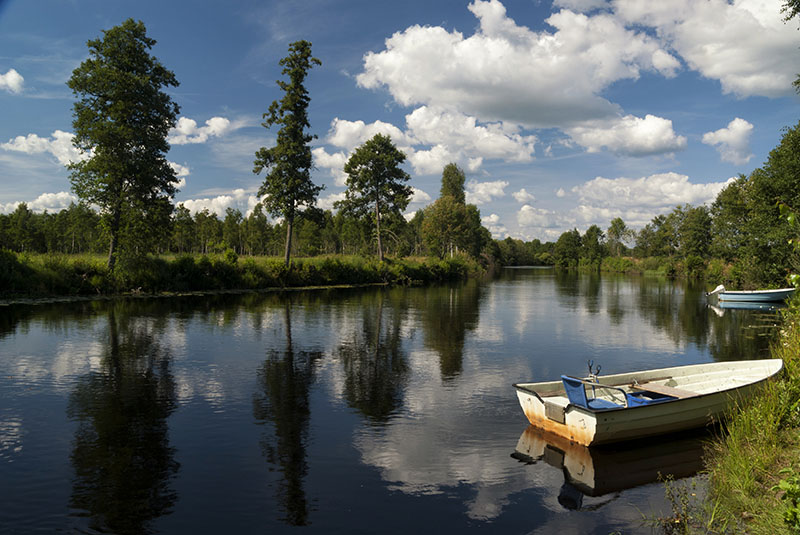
{"x": 36, "y": 276}
{"x": 761, "y": 449}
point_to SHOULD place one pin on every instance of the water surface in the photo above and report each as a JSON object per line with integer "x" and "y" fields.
{"x": 345, "y": 411}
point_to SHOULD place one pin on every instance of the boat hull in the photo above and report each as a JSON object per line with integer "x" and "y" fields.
{"x": 716, "y": 386}
{"x": 757, "y": 296}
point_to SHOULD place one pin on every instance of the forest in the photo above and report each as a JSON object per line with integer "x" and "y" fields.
{"x": 741, "y": 238}
{"x": 126, "y": 188}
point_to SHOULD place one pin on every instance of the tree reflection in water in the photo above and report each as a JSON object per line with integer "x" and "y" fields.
{"x": 375, "y": 365}
{"x": 448, "y": 312}
{"x": 285, "y": 379}
{"x": 121, "y": 455}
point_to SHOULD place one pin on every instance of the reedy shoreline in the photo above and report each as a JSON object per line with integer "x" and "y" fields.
{"x": 43, "y": 275}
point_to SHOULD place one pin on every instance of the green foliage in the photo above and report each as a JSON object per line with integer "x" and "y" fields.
{"x": 121, "y": 121}
{"x": 793, "y": 222}
{"x": 790, "y": 486}
{"x": 567, "y": 249}
{"x": 686, "y": 510}
{"x": 376, "y": 183}
{"x": 49, "y": 275}
{"x": 695, "y": 232}
{"x": 694, "y": 266}
{"x": 453, "y": 179}
{"x": 618, "y": 233}
{"x": 287, "y": 189}
{"x": 449, "y": 227}
{"x": 617, "y": 264}
{"x": 718, "y": 270}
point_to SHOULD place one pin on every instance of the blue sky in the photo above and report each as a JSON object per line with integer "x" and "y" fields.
{"x": 563, "y": 114}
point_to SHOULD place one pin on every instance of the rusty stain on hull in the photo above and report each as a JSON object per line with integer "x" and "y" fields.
{"x": 579, "y": 436}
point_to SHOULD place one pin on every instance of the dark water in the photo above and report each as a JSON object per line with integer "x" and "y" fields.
{"x": 344, "y": 411}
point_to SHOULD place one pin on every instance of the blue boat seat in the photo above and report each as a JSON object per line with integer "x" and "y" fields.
{"x": 576, "y": 393}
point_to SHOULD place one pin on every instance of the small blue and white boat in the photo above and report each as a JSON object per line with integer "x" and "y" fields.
{"x": 627, "y": 406}
{"x": 751, "y": 296}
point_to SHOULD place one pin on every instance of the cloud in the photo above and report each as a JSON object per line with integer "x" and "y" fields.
{"x": 483, "y": 192}
{"x": 52, "y": 202}
{"x": 238, "y": 199}
{"x": 460, "y": 138}
{"x": 540, "y": 223}
{"x": 11, "y": 81}
{"x": 433, "y": 138}
{"x": 528, "y": 216}
{"x": 326, "y": 203}
{"x": 419, "y": 197}
{"x": 743, "y": 44}
{"x": 493, "y": 224}
{"x": 181, "y": 171}
{"x": 732, "y": 142}
{"x": 523, "y": 196}
{"x": 58, "y": 145}
{"x": 638, "y": 200}
{"x": 581, "y": 6}
{"x": 334, "y": 163}
{"x": 561, "y": 193}
{"x": 351, "y": 134}
{"x": 187, "y": 132}
{"x": 629, "y": 135}
{"x": 507, "y": 72}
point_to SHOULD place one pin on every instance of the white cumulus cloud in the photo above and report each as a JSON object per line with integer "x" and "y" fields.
{"x": 629, "y": 135}
{"x": 419, "y": 197}
{"x": 508, "y": 72}
{"x": 52, "y": 202}
{"x": 181, "y": 171}
{"x": 350, "y": 134}
{"x": 743, "y": 44}
{"x": 523, "y": 196}
{"x": 58, "y": 145}
{"x": 732, "y": 142}
{"x": 326, "y": 203}
{"x": 638, "y": 200}
{"x": 433, "y": 138}
{"x": 187, "y": 132}
{"x": 11, "y": 81}
{"x": 238, "y": 199}
{"x": 334, "y": 163}
{"x": 484, "y": 192}
{"x": 493, "y": 223}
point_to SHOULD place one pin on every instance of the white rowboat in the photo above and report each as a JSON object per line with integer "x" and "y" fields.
{"x": 751, "y": 296}
{"x": 633, "y": 405}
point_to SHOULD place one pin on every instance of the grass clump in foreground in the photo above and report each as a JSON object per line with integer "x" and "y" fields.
{"x": 65, "y": 275}
{"x": 760, "y": 449}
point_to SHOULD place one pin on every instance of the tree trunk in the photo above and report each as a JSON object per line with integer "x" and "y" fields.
{"x": 287, "y": 251}
{"x": 114, "y": 231}
{"x": 378, "y": 228}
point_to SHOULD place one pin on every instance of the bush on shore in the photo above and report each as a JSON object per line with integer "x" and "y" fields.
{"x": 23, "y": 275}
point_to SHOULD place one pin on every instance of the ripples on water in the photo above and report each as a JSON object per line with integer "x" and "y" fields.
{"x": 377, "y": 410}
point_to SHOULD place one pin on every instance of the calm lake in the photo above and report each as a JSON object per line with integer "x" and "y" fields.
{"x": 378, "y": 410}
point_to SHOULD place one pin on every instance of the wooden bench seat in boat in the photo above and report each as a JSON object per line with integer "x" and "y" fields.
{"x": 670, "y": 391}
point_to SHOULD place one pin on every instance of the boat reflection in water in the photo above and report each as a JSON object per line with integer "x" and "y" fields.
{"x": 602, "y": 470}
{"x": 721, "y": 306}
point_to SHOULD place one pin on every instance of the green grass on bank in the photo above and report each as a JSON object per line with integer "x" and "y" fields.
{"x": 745, "y": 464}
{"x": 40, "y": 275}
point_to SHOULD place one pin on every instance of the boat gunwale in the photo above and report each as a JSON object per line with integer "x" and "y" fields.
{"x": 780, "y": 369}
{"x": 752, "y": 292}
